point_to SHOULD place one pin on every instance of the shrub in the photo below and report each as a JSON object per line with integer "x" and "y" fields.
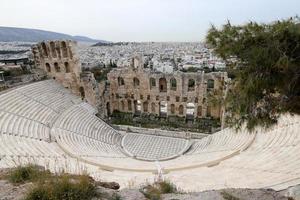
{"x": 154, "y": 191}
{"x": 27, "y": 173}
{"x": 228, "y": 196}
{"x": 64, "y": 187}
{"x": 167, "y": 187}
{"x": 151, "y": 192}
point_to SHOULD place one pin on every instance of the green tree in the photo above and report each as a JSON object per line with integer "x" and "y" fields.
{"x": 264, "y": 60}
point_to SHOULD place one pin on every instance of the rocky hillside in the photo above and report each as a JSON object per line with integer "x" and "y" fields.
{"x": 34, "y": 183}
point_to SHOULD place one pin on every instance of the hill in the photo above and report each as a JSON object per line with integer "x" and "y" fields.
{"x": 10, "y": 34}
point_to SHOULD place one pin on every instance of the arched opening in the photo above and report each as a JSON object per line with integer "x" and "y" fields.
{"x": 162, "y": 85}
{"x": 199, "y": 111}
{"x": 191, "y": 85}
{"x": 64, "y": 49}
{"x": 67, "y": 67}
{"x": 208, "y": 111}
{"x": 52, "y": 47}
{"x": 121, "y": 81}
{"x": 82, "y": 93}
{"x": 163, "y": 109}
{"x": 180, "y": 110}
{"x": 190, "y": 110}
{"x": 44, "y": 47}
{"x": 173, "y": 83}
{"x": 108, "y": 109}
{"x": 122, "y": 106}
{"x": 129, "y": 105}
{"x": 137, "y": 107}
{"x": 48, "y": 68}
{"x": 136, "y": 82}
{"x": 145, "y": 106}
{"x": 210, "y": 84}
{"x": 172, "y": 109}
{"x": 56, "y": 67}
{"x": 153, "y": 110}
{"x": 152, "y": 83}
{"x": 70, "y": 54}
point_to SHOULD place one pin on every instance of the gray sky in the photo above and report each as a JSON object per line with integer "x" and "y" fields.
{"x": 140, "y": 20}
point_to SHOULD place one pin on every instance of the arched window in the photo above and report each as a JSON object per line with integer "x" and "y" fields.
{"x": 190, "y": 109}
{"x": 173, "y": 83}
{"x": 172, "y": 109}
{"x": 129, "y": 105}
{"x": 163, "y": 108}
{"x": 122, "y": 106}
{"x": 67, "y": 67}
{"x": 64, "y": 49}
{"x": 57, "y": 68}
{"x": 48, "y": 68}
{"x": 137, "y": 106}
{"x": 121, "y": 81}
{"x": 82, "y": 93}
{"x": 208, "y": 111}
{"x": 162, "y": 85}
{"x": 180, "y": 109}
{"x": 53, "y": 51}
{"x": 191, "y": 85}
{"x": 108, "y": 109}
{"x": 199, "y": 111}
{"x": 145, "y": 106}
{"x": 152, "y": 83}
{"x": 44, "y": 47}
{"x": 153, "y": 107}
{"x": 136, "y": 82}
{"x": 210, "y": 84}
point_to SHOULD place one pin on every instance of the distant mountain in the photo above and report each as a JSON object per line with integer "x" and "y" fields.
{"x": 10, "y": 34}
{"x": 105, "y": 43}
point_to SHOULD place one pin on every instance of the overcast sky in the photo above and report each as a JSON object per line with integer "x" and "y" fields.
{"x": 140, "y": 20}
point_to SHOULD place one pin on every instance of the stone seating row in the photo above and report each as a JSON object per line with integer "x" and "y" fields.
{"x": 51, "y": 94}
{"x": 78, "y": 120}
{"x": 85, "y": 146}
{"x": 12, "y": 124}
{"x": 17, "y": 103}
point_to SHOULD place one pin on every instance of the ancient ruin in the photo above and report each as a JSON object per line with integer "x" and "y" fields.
{"x": 135, "y": 89}
{"x": 140, "y": 90}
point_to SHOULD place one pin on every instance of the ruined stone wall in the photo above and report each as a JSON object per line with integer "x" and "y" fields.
{"x": 181, "y": 94}
{"x": 61, "y": 62}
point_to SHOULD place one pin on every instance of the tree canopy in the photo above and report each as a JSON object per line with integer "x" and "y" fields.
{"x": 264, "y": 60}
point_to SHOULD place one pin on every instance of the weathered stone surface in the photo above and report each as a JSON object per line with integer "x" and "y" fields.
{"x": 242, "y": 194}
{"x": 10, "y": 192}
{"x": 109, "y": 185}
{"x": 139, "y": 90}
{"x": 61, "y": 62}
{"x": 130, "y": 194}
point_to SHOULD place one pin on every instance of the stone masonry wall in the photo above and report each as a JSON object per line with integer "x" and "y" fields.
{"x": 136, "y": 90}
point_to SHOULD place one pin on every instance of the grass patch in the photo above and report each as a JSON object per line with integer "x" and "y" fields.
{"x": 64, "y": 187}
{"x": 154, "y": 191}
{"x": 228, "y": 196}
{"x": 47, "y": 186}
{"x": 29, "y": 173}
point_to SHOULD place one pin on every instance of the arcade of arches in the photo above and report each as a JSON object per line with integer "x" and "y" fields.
{"x": 179, "y": 94}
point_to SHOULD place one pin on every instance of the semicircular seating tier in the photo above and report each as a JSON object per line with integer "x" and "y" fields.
{"x": 43, "y": 123}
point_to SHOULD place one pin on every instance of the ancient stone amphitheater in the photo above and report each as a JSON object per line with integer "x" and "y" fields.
{"x": 44, "y": 124}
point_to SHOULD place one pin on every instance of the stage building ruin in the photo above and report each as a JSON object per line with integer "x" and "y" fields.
{"x": 135, "y": 89}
